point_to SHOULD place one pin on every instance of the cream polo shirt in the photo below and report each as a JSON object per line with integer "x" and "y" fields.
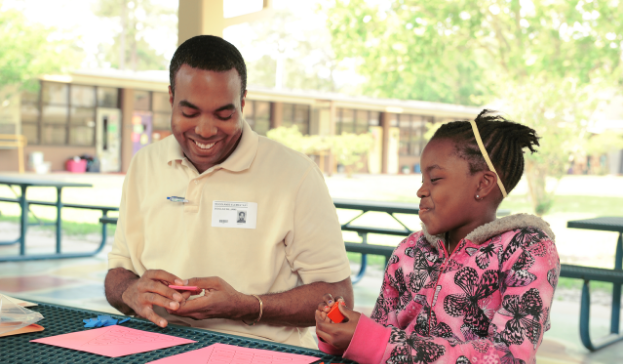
{"x": 297, "y": 239}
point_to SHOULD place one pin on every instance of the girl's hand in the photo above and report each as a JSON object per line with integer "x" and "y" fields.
{"x": 337, "y": 335}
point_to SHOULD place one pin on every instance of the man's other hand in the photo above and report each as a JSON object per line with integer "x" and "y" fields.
{"x": 220, "y": 300}
{"x": 152, "y": 289}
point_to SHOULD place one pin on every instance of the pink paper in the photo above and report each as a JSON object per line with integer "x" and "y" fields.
{"x": 113, "y": 341}
{"x": 228, "y": 354}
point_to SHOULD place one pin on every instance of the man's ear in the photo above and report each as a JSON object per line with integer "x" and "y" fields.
{"x": 487, "y": 184}
{"x": 243, "y": 100}
{"x": 171, "y": 96}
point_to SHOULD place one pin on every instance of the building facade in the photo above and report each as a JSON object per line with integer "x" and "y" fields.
{"x": 112, "y": 114}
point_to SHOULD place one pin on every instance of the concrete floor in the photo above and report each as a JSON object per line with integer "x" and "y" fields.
{"x": 79, "y": 283}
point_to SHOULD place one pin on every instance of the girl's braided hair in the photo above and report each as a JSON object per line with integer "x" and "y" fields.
{"x": 503, "y": 139}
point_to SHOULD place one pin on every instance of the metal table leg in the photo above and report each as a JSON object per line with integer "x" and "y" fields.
{"x": 616, "y": 288}
{"x": 23, "y": 226}
{"x": 59, "y": 206}
{"x": 364, "y": 260}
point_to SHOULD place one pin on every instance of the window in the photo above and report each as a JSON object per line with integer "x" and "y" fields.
{"x": 30, "y": 116}
{"x": 296, "y": 114}
{"x": 355, "y": 121}
{"x": 142, "y": 100}
{"x": 108, "y": 97}
{"x": 64, "y": 114}
{"x": 54, "y": 113}
{"x": 82, "y": 115}
{"x": 257, "y": 114}
{"x": 162, "y": 111}
{"x": 412, "y": 129}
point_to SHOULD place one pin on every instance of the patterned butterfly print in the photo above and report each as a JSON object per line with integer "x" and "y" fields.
{"x": 462, "y": 360}
{"x": 423, "y": 272}
{"x": 520, "y": 326}
{"x": 453, "y": 265}
{"x": 381, "y": 311}
{"x": 414, "y": 349}
{"x": 484, "y": 254}
{"x": 526, "y": 237}
{"x": 437, "y": 290}
{"x": 393, "y": 259}
{"x": 518, "y": 275}
{"x": 423, "y": 323}
{"x": 398, "y": 283}
{"x": 476, "y": 288}
{"x": 552, "y": 277}
{"x": 508, "y": 357}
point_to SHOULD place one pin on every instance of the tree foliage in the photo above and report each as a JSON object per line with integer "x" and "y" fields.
{"x": 348, "y": 149}
{"x": 291, "y": 55}
{"x": 540, "y": 62}
{"x": 453, "y": 51}
{"x": 29, "y": 50}
{"x": 130, "y": 49}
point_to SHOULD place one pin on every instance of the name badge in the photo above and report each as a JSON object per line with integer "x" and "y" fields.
{"x": 232, "y": 214}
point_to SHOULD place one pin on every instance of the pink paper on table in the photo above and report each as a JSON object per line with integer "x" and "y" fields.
{"x": 113, "y": 341}
{"x": 228, "y": 354}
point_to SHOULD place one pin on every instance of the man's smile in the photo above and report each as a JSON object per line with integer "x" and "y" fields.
{"x": 204, "y": 146}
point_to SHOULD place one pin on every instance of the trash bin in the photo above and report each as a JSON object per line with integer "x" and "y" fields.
{"x": 76, "y": 165}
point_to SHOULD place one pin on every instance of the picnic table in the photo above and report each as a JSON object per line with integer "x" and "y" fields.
{"x": 24, "y": 183}
{"x": 63, "y": 320}
{"x": 614, "y": 276}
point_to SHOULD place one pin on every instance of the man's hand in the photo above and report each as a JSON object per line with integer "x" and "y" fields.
{"x": 152, "y": 289}
{"x": 337, "y": 335}
{"x": 221, "y": 300}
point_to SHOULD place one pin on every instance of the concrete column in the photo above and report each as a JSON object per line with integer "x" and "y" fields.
{"x": 196, "y": 17}
{"x": 127, "y": 110}
{"x": 276, "y": 114}
{"x": 385, "y": 151}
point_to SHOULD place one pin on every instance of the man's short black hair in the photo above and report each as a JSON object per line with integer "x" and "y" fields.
{"x": 208, "y": 53}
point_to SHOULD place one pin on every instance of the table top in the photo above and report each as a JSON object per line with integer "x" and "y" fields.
{"x": 63, "y": 320}
{"x": 29, "y": 181}
{"x": 606, "y": 223}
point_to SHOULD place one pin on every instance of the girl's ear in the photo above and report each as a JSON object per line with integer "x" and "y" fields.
{"x": 487, "y": 185}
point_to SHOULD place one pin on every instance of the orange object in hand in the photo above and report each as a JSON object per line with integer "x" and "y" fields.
{"x": 335, "y": 315}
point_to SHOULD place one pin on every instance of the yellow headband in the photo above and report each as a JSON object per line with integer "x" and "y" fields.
{"x": 485, "y": 155}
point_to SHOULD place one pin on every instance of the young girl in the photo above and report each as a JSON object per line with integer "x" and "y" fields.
{"x": 468, "y": 288}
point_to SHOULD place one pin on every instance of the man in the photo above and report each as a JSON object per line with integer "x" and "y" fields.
{"x": 262, "y": 277}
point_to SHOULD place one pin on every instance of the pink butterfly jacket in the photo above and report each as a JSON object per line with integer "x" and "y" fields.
{"x": 486, "y": 302}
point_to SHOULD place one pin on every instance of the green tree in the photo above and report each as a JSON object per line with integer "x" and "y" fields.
{"x": 130, "y": 49}
{"x": 28, "y": 51}
{"x": 541, "y": 61}
{"x": 292, "y": 56}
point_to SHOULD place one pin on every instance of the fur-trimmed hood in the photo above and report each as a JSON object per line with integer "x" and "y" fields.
{"x": 497, "y": 227}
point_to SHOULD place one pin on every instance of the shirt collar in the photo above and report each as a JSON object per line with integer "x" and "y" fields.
{"x": 238, "y": 161}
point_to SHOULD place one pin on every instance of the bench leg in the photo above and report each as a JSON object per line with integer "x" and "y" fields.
{"x": 585, "y": 316}
{"x": 616, "y": 289}
{"x": 364, "y": 260}
{"x": 585, "y": 312}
